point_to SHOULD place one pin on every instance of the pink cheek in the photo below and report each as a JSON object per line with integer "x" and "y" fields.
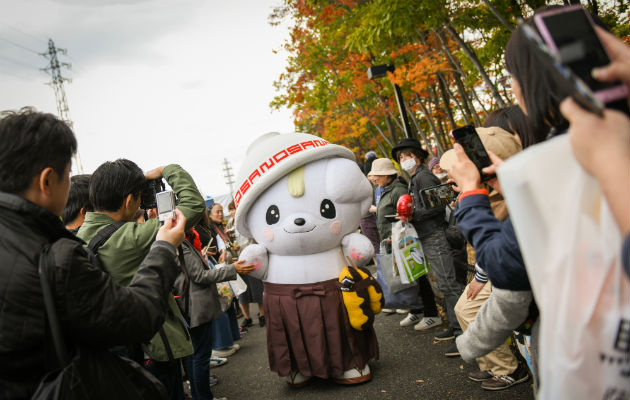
{"x": 335, "y": 228}
{"x": 268, "y": 233}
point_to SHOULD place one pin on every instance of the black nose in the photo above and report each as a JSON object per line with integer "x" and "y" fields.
{"x": 299, "y": 221}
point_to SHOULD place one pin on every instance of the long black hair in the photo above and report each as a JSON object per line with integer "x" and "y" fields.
{"x": 540, "y": 90}
{"x": 513, "y": 120}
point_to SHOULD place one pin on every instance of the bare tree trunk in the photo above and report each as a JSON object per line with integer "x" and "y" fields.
{"x": 473, "y": 58}
{"x": 441, "y": 130}
{"x": 440, "y": 138}
{"x": 498, "y": 15}
{"x": 431, "y": 123}
{"x": 391, "y": 128}
{"x": 467, "y": 102}
{"x": 446, "y": 101}
{"x": 414, "y": 120}
{"x": 380, "y": 147}
{"x": 392, "y": 116}
{"x": 483, "y": 108}
{"x": 444, "y": 84}
{"x": 594, "y": 7}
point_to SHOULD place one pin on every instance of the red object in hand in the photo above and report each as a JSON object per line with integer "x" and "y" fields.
{"x": 404, "y": 208}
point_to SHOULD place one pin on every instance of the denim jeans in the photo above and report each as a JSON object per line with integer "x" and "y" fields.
{"x": 225, "y": 329}
{"x": 198, "y": 364}
{"x": 438, "y": 252}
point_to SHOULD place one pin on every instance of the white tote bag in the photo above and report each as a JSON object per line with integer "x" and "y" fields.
{"x": 408, "y": 253}
{"x": 571, "y": 248}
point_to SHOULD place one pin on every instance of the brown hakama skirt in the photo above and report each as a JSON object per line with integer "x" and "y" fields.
{"x": 308, "y": 330}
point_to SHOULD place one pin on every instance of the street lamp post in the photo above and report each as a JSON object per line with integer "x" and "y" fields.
{"x": 379, "y": 71}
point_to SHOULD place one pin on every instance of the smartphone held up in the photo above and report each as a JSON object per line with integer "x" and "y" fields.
{"x": 565, "y": 39}
{"x": 468, "y": 138}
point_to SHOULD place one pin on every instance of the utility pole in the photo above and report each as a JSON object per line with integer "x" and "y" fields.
{"x": 54, "y": 70}
{"x": 229, "y": 177}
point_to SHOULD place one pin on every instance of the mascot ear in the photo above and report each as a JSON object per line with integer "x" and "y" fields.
{"x": 345, "y": 183}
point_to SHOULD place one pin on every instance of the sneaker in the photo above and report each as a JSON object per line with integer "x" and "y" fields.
{"x": 445, "y": 335}
{"x": 410, "y": 319}
{"x": 480, "y": 376}
{"x": 428, "y": 323}
{"x": 262, "y": 321}
{"x": 217, "y": 361}
{"x": 247, "y": 322}
{"x": 225, "y": 352}
{"x": 452, "y": 351}
{"x": 500, "y": 382}
{"x": 388, "y": 311}
{"x": 402, "y": 311}
{"x": 213, "y": 381}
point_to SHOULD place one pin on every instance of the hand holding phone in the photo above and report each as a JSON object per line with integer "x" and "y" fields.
{"x": 569, "y": 32}
{"x": 173, "y": 229}
{"x": 468, "y": 138}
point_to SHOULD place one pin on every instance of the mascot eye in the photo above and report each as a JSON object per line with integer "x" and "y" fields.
{"x": 327, "y": 209}
{"x": 273, "y": 215}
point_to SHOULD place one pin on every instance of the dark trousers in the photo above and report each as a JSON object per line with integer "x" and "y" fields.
{"x": 428, "y": 299}
{"x": 170, "y": 374}
{"x": 198, "y": 364}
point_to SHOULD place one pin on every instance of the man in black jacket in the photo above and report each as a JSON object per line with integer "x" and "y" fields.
{"x": 429, "y": 224}
{"x": 35, "y": 156}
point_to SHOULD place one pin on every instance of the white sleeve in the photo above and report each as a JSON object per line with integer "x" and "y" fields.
{"x": 220, "y": 243}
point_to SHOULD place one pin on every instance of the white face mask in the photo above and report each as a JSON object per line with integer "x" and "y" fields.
{"x": 408, "y": 165}
{"x": 442, "y": 175}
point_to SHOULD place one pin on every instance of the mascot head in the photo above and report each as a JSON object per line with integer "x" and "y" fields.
{"x": 299, "y": 194}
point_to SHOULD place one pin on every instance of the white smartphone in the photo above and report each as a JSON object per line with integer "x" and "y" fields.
{"x": 569, "y": 32}
{"x": 165, "y": 204}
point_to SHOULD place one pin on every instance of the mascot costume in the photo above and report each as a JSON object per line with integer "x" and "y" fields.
{"x": 301, "y": 199}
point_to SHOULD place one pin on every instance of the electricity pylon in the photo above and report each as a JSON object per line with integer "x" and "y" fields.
{"x": 54, "y": 70}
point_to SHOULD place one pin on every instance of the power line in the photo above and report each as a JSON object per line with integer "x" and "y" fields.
{"x": 54, "y": 69}
{"x": 40, "y": 40}
{"x": 16, "y": 62}
{"x": 14, "y": 74}
{"x": 19, "y": 45}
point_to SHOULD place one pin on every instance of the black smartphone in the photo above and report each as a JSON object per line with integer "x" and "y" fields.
{"x": 468, "y": 138}
{"x": 440, "y": 195}
{"x": 569, "y": 33}
{"x": 568, "y": 82}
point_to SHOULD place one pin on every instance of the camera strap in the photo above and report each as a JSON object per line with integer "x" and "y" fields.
{"x": 101, "y": 237}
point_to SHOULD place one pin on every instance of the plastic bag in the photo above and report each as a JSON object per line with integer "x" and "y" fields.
{"x": 408, "y": 252}
{"x": 571, "y": 248}
{"x": 406, "y": 295}
{"x": 238, "y": 286}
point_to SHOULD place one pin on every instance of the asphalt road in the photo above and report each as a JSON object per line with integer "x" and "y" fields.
{"x": 411, "y": 366}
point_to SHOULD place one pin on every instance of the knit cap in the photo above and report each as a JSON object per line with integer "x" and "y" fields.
{"x": 271, "y": 157}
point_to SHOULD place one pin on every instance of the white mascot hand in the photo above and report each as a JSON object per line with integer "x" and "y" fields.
{"x": 257, "y": 255}
{"x": 358, "y": 247}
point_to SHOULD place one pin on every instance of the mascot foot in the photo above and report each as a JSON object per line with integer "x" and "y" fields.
{"x": 298, "y": 380}
{"x": 354, "y": 376}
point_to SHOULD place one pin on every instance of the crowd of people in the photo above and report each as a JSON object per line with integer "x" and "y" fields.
{"x": 168, "y": 294}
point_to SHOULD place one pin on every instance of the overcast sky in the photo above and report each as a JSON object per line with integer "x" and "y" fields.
{"x": 154, "y": 81}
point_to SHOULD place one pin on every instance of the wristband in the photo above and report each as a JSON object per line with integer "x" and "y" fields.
{"x": 471, "y": 192}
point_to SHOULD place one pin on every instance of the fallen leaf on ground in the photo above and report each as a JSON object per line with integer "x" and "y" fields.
{"x": 461, "y": 367}
{"x": 420, "y": 380}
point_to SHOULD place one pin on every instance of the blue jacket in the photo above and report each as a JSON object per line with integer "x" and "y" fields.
{"x": 494, "y": 242}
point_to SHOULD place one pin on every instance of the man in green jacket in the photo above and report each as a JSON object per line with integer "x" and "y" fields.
{"x": 115, "y": 195}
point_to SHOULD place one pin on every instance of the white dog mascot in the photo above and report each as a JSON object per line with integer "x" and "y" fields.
{"x": 302, "y": 198}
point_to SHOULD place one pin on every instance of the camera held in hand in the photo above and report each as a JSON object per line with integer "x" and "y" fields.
{"x": 149, "y": 191}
